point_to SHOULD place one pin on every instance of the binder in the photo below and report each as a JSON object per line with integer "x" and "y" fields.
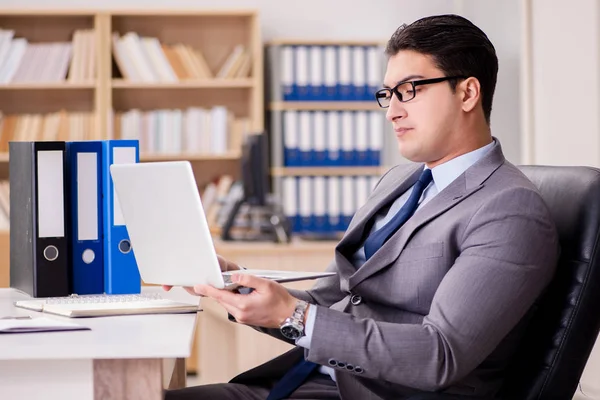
{"x": 290, "y": 139}
{"x": 348, "y": 201}
{"x": 374, "y": 72}
{"x": 348, "y": 140}
{"x": 301, "y": 66}
{"x": 320, "y": 204}
{"x": 376, "y": 126}
{"x": 87, "y": 230}
{"x": 305, "y": 204}
{"x": 320, "y": 140}
{"x": 121, "y": 275}
{"x": 287, "y": 73}
{"x": 359, "y": 73}
{"x": 317, "y": 88}
{"x": 333, "y": 139}
{"x": 344, "y": 89}
{"x": 330, "y": 75}
{"x": 305, "y": 140}
{"x": 334, "y": 207}
{"x": 290, "y": 201}
{"x": 362, "y": 139}
{"x": 39, "y": 221}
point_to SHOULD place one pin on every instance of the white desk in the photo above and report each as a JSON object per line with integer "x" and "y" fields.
{"x": 125, "y": 357}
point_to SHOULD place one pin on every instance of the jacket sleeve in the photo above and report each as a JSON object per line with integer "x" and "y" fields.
{"x": 507, "y": 256}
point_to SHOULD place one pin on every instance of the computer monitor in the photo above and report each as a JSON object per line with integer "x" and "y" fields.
{"x": 255, "y": 169}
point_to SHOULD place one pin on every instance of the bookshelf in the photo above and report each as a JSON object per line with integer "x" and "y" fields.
{"x": 208, "y": 63}
{"x": 328, "y": 135}
{"x": 93, "y": 92}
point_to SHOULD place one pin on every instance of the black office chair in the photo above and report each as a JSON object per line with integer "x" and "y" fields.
{"x": 562, "y": 333}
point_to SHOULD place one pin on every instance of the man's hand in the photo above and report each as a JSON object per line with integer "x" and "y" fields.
{"x": 225, "y": 266}
{"x": 267, "y": 306}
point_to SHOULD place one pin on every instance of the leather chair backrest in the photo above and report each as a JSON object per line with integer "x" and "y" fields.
{"x": 564, "y": 327}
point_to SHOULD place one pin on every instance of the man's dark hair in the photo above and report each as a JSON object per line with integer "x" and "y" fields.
{"x": 457, "y": 47}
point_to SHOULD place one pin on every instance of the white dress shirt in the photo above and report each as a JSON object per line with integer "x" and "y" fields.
{"x": 443, "y": 175}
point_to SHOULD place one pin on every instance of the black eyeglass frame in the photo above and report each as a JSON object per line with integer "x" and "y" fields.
{"x": 383, "y": 93}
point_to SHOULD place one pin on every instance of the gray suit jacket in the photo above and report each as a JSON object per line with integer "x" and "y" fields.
{"x": 444, "y": 301}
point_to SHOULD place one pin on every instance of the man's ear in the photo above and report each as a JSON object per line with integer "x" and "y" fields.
{"x": 470, "y": 92}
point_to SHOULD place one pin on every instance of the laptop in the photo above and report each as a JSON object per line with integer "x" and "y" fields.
{"x": 161, "y": 208}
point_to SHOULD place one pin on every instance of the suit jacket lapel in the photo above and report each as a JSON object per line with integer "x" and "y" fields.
{"x": 349, "y": 243}
{"x": 461, "y": 188}
{"x": 381, "y": 197}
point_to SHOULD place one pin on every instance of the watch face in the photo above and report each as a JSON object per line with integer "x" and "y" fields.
{"x": 290, "y": 331}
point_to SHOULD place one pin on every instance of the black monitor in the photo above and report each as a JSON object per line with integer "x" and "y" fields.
{"x": 255, "y": 169}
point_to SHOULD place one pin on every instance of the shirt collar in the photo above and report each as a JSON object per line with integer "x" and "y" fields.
{"x": 444, "y": 174}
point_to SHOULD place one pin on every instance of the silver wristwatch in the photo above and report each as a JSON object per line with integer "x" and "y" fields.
{"x": 293, "y": 327}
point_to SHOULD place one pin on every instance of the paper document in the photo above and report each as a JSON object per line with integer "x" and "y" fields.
{"x": 40, "y": 324}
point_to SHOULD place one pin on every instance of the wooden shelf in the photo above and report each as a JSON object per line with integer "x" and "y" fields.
{"x": 48, "y": 86}
{"x": 333, "y": 171}
{"x": 324, "y": 105}
{"x": 189, "y": 84}
{"x": 232, "y": 155}
{"x": 319, "y": 42}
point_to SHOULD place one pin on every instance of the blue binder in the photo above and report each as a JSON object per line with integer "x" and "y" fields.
{"x": 121, "y": 274}
{"x": 87, "y": 246}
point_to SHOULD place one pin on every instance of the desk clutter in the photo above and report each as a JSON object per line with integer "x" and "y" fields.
{"x": 67, "y": 234}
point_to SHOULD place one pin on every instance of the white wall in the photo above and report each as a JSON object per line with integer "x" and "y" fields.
{"x": 565, "y": 82}
{"x": 366, "y": 20}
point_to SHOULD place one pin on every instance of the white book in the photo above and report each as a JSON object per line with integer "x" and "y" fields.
{"x": 362, "y": 190}
{"x": 158, "y": 59}
{"x": 301, "y": 66}
{"x": 316, "y": 66}
{"x": 306, "y": 192}
{"x": 333, "y": 137}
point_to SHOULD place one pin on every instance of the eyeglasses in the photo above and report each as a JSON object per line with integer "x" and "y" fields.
{"x": 405, "y": 91}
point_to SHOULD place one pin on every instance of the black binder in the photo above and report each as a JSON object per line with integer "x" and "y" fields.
{"x": 39, "y": 216}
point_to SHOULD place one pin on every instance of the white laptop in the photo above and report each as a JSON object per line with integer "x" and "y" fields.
{"x": 167, "y": 226}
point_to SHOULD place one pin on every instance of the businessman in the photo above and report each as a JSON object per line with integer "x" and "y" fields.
{"x": 437, "y": 272}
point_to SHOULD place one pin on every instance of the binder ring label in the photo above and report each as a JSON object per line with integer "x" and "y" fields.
{"x": 124, "y": 246}
{"x": 50, "y": 253}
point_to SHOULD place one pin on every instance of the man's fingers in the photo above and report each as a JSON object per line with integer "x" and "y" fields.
{"x": 250, "y": 281}
{"x": 166, "y": 288}
{"x": 220, "y": 295}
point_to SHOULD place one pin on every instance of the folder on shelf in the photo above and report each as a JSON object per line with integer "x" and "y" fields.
{"x": 375, "y": 146}
{"x": 320, "y": 139}
{"x": 317, "y": 88}
{"x": 121, "y": 275}
{"x": 301, "y": 68}
{"x": 362, "y": 139}
{"x": 359, "y": 73}
{"x": 330, "y": 74}
{"x": 374, "y": 72}
{"x": 290, "y": 139}
{"x": 305, "y": 139}
{"x": 333, "y": 139}
{"x": 345, "y": 89}
{"x": 287, "y": 73}
{"x": 290, "y": 201}
{"x": 305, "y": 204}
{"x": 348, "y": 138}
{"x": 39, "y": 219}
{"x": 320, "y": 219}
{"x": 87, "y": 217}
{"x": 334, "y": 204}
{"x": 348, "y": 201}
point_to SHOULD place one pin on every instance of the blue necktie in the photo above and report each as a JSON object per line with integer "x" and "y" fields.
{"x": 379, "y": 237}
{"x": 292, "y": 380}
